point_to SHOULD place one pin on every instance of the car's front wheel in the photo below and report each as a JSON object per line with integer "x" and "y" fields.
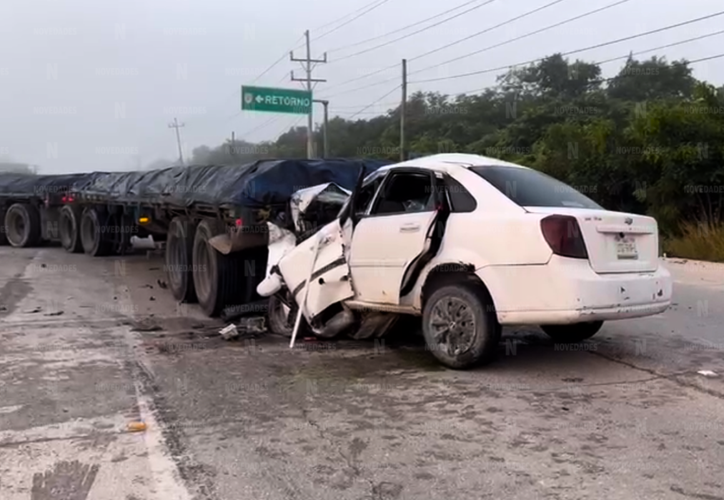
{"x": 460, "y": 326}
{"x": 569, "y": 334}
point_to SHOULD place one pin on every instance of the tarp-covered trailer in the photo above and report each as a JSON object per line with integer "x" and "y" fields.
{"x": 26, "y": 218}
{"x": 213, "y": 218}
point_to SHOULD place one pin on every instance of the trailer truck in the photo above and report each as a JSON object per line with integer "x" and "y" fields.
{"x": 211, "y": 219}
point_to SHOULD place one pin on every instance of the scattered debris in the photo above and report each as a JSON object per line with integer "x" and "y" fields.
{"x": 147, "y": 286}
{"x": 229, "y": 332}
{"x": 36, "y": 310}
{"x": 56, "y": 313}
{"x": 137, "y": 427}
{"x": 707, "y": 373}
{"x": 162, "y": 284}
{"x": 146, "y": 326}
{"x": 253, "y": 325}
{"x": 152, "y": 298}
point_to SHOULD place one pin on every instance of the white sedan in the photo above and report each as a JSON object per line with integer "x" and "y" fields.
{"x": 471, "y": 243}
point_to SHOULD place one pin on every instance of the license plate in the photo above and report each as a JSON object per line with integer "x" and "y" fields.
{"x": 626, "y": 250}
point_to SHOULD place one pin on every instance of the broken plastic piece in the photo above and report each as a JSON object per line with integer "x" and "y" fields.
{"x": 137, "y": 427}
{"x": 707, "y": 373}
{"x": 229, "y": 332}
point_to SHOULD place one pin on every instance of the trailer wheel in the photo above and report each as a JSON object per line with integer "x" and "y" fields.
{"x": 179, "y": 265}
{"x": 22, "y": 225}
{"x": 92, "y": 234}
{"x": 69, "y": 229}
{"x": 3, "y": 232}
{"x": 218, "y": 279}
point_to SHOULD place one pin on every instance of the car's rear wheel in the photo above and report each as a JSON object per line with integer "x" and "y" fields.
{"x": 570, "y": 334}
{"x": 460, "y": 326}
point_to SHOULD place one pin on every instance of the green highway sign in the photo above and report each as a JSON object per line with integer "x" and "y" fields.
{"x": 298, "y": 102}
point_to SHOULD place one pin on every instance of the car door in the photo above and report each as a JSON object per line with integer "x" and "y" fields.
{"x": 324, "y": 255}
{"x": 393, "y": 233}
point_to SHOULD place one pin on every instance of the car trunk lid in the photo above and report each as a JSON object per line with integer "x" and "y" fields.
{"x": 616, "y": 242}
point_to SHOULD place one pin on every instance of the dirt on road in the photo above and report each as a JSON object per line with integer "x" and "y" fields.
{"x": 89, "y": 346}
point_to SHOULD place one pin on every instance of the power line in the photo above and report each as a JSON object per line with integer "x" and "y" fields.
{"x": 366, "y": 75}
{"x": 525, "y": 14}
{"x": 374, "y": 102}
{"x": 361, "y": 42}
{"x": 289, "y": 127}
{"x": 355, "y": 54}
{"x": 346, "y": 15}
{"x": 576, "y": 51}
{"x": 352, "y": 20}
{"x": 257, "y": 128}
{"x": 525, "y": 35}
{"x": 357, "y": 107}
{"x": 701, "y": 37}
{"x": 603, "y": 80}
{"x": 283, "y": 57}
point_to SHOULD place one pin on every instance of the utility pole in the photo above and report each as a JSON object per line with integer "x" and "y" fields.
{"x": 177, "y": 126}
{"x": 232, "y": 145}
{"x": 307, "y": 65}
{"x": 325, "y": 103}
{"x": 403, "y": 110}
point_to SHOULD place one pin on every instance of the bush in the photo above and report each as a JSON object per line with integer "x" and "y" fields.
{"x": 698, "y": 242}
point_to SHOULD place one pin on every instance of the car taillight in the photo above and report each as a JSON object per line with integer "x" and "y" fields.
{"x": 563, "y": 235}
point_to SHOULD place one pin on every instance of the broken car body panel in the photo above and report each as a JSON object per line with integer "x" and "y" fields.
{"x": 330, "y": 281}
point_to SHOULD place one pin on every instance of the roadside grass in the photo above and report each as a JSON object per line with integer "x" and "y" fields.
{"x": 697, "y": 242}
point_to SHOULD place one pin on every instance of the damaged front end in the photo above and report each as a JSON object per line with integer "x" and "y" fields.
{"x": 308, "y": 276}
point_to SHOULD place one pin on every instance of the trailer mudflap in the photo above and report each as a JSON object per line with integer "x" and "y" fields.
{"x": 238, "y": 239}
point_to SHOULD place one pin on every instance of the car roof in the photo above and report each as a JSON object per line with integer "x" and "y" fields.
{"x": 445, "y": 161}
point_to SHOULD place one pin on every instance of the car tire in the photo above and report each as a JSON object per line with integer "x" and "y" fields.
{"x": 22, "y": 225}
{"x": 179, "y": 264}
{"x": 93, "y": 237}
{"x": 570, "y": 334}
{"x": 469, "y": 310}
{"x": 69, "y": 229}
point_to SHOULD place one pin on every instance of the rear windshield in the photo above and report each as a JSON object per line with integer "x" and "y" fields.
{"x": 530, "y": 188}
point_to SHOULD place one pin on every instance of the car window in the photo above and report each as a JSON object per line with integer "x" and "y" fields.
{"x": 460, "y": 198}
{"x": 405, "y": 192}
{"x": 530, "y": 188}
{"x": 366, "y": 194}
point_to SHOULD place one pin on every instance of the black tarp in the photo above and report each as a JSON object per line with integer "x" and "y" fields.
{"x": 29, "y": 185}
{"x": 255, "y": 185}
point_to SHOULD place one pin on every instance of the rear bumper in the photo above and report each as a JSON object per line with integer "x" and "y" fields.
{"x": 568, "y": 291}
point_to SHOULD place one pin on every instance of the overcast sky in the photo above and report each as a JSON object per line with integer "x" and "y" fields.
{"x": 93, "y": 84}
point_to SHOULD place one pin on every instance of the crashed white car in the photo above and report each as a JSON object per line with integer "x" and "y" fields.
{"x": 470, "y": 243}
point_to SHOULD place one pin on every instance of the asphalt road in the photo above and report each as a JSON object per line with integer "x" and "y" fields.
{"x": 89, "y": 346}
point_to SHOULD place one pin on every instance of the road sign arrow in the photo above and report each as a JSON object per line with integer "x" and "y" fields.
{"x": 259, "y": 98}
